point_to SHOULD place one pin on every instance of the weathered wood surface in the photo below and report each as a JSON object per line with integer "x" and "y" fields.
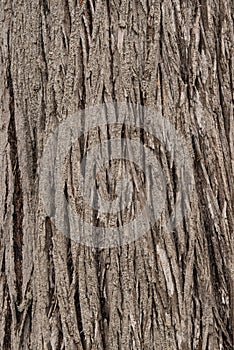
{"x": 164, "y": 291}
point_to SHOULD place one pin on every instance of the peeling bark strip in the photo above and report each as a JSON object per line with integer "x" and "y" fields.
{"x": 168, "y": 290}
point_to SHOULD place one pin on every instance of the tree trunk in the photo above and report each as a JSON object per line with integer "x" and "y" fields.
{"x": 172, "y": 286}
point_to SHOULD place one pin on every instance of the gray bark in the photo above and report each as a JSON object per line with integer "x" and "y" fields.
{"x": 163, "y": 291}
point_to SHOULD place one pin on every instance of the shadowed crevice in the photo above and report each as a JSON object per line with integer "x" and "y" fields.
{"x": 79, "y": 317}
{"x": 18, "y": 193}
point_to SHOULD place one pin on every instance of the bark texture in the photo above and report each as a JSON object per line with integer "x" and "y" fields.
{"x": 164, "y": 291}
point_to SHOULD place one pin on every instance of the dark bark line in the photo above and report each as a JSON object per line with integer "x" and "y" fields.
{"x": 18, "y": 196}
{"x": 177, "y": 57}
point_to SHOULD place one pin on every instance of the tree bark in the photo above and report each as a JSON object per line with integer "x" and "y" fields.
{"x": 166, "y": 290}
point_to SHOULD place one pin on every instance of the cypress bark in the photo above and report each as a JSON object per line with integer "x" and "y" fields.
{"x": 166, "y": 290}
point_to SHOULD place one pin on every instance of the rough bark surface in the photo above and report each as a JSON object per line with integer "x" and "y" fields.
{"x": 164, "y": 291}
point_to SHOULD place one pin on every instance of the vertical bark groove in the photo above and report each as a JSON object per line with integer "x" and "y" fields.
{"x": 17, "y": 196}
